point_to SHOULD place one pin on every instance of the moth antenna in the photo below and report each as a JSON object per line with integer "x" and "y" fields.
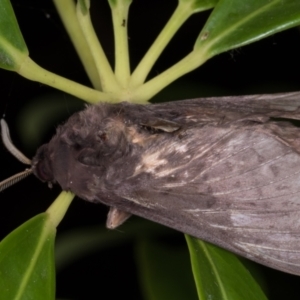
{"x": 14, "y": 179}
{"x": 10, "y": 146}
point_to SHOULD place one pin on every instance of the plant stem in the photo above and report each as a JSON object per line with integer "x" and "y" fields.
{"x": 30, "y": 70}
{"x": 153, "y": 86}
{"x": 59, "y": 207}
{"x": 180, "y": 15}
{"x": 67, "y": 12}
{"x": 119, "y": 11}
{"x": 107, "y": 77}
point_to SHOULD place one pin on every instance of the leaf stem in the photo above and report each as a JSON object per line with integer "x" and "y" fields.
{"x": 187, "y": 64}
{"x": 59, "y": 207}
{"x": 107, "y": 77}
{"x": 180, "y": 15}
{"x": 67, "y": 12}
{"x": 119, "y": 11}
{"x": 30, "y": 70}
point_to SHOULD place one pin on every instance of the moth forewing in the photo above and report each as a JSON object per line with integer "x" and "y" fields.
{"x": 240, "y": 190}
{"x": 226, "y": 170}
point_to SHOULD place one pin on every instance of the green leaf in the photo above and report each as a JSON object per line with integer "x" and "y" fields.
{"x": 27, "y": 261}
{"x": 13, "y": 49}
{"x": 165, "y": 271}
{"x": 234, "y": 23}
{"x": 219, "y": 274}
{"x": 27, "y": 269}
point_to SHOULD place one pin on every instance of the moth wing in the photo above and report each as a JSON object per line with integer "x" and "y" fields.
{"x": 238, "y": 188}
{"x": 283, "y": 105}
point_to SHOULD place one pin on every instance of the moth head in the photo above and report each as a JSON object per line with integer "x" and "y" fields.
{"x": 42, "y": 168}
{"x": 40, "y": 165}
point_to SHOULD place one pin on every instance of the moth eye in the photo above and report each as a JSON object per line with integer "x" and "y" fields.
{"x": 43, "y": 172}
{"x": 77, "y": 146}
{"x": 103, "y": 136}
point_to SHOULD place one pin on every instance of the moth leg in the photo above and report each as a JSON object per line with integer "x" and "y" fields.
{"x": 116, "y": 217}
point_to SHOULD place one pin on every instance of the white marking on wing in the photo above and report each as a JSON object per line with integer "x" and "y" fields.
{"x": 266, "y": 198}
{"x": 202, "y": 151}
{"x": 144, "y": 203}
{"x": 178, "y": 148}
{"x": 247, "y": 229}
{"x": 246, "y": 245}
{"x": 149, "y": 163}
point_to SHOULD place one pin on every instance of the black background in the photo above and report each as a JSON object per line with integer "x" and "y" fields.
{"x": 271, "y": 65}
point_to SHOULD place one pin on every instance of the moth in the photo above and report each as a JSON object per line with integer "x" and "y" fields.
{"x": 225, "y": 170}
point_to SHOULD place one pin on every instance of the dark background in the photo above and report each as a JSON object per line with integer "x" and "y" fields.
{"x": 271, "y": 65}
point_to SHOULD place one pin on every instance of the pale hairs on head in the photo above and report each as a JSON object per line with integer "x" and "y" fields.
{"x": 16, "y": 153}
